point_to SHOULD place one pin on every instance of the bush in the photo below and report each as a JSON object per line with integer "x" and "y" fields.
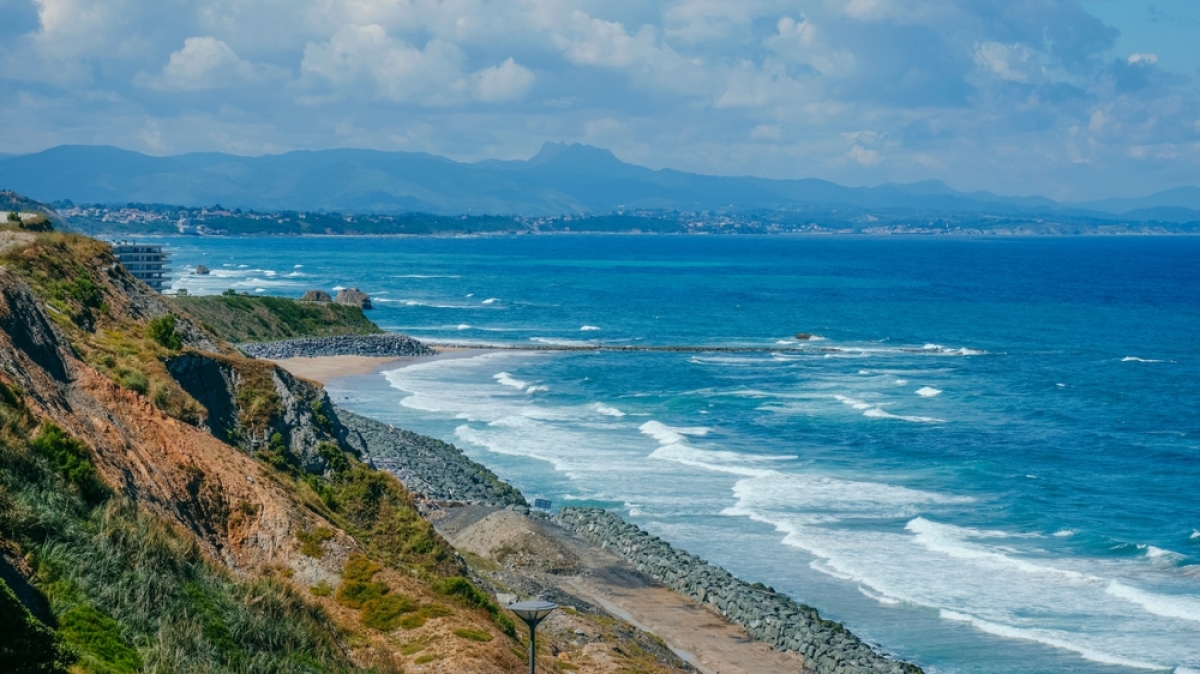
{"x": 384, "y": 613}
{"x": 162, "y": 330}
{"x": 98, "y": 639}
{"x": 71, "y": 459}
{"x": 355, "y": 593}
{"x": 311, "y": 541}
{"x": 133, "y": 380}
{"x": 321, "y": 589}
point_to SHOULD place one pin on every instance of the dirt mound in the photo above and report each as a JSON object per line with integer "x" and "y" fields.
{"x": 514, "y": 540}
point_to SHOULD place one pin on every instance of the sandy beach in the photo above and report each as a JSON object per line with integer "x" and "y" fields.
{"x": 323, "y": 369}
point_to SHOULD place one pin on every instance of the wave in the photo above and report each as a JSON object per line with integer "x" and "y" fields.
{"x": 1048, "y": 638}
{"x": 490, "y": 300}
{"x": 426, "y": 276}
{"x": 462, "y": 326}
{"x": 1158, "y": 604}
{"x": 588, "y": 328}
{"x": 607, "y": 410}
{"x": 560, "y": 342}
{"x": 886, "y": 601}
{"x": 1063, "y": 533}
{"x": 951, "y": 541}
{"x": 506, "y": 379}
{"x": 1195, "y": 534}
{"x": 928, "y": 392}
{"x": 667, "y": 435}
{"x": 873, "y": 411}
{"x": 1135, "y": 359}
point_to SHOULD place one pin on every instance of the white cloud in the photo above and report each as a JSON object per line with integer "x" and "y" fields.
{"x": 365, "y": 62}
{"x": 1011, "y": 62}
{"x": 206, "y": 63}
{"x": 864, "y": 156}
{"x": 505, "y": 82}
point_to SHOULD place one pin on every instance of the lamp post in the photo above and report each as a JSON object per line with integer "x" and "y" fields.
{"x": 532, "y": 612}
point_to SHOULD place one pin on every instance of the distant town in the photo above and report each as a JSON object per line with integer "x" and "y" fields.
{"x": 157, "y": 219}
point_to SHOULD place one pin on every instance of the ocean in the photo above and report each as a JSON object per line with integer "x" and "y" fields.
{"x": 986, "y": 458}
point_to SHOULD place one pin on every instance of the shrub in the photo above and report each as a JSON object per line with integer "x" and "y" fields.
{"x": 333, "y": 455}
{"x": 71, "y": 459}
{"x": 359, "y": 568}
{"x": 356, "y": 594}
{"x": 98, "y": 639}
{"x": 133, "y": 380}
{"x": 311, "y": 542}
{"x": 321, "y": 589}
{"x": 162, "y": 330}
{"x": 384, "y": 613}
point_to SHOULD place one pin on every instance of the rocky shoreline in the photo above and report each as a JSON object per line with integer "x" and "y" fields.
{"x": 828, "y": 647}
{"x": 427, "y": 466}
{"x": 388, "y": 345}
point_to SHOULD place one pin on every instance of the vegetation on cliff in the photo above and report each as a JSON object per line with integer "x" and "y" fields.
{"x": 240, "y": 318}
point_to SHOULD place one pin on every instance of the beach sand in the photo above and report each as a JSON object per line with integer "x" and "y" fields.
{"x": 323, "y": 369}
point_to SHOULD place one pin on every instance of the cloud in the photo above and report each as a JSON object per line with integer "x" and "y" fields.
{"x": 206, "y": 63}
{"x": 365, "y": 62}
{"x": 1013, "y": 96}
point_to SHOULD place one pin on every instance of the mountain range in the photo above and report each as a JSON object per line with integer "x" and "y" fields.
{"x": 560, "y": 179}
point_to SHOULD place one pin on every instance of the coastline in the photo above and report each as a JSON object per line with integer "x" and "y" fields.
{"x": 716, "y": 622}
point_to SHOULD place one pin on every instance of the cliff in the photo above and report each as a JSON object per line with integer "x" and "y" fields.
{"x": 167, "y": 504}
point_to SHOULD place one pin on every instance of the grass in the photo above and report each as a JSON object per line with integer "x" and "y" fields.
{"x": 473, "y": 635}
{"x": 238, "y": 318}
{"x": 311, "y": 542}
{"x": 129, "y": 591}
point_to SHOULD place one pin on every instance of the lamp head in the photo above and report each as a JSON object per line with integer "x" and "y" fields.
{"x": 532, "y": 612}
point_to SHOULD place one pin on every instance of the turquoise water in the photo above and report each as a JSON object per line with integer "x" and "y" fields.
{"x": 988, "y": 462}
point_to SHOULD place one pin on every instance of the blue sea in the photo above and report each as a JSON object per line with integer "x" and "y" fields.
{"x": 986, "y": 458}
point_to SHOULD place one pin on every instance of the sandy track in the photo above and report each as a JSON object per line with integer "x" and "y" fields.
{"x": 705, "y": 639}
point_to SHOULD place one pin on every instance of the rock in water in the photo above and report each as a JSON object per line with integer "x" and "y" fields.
{"x": 804, "y": 336}
{"x": 353, "y": 297}
{"x": 316, "y": 296}
{"x": 201, "y": 270}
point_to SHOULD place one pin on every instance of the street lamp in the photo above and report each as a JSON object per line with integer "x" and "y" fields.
{"x": 532, "y": 612}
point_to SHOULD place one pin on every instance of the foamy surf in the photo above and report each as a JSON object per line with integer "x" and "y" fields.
{"x": 1135, "y": 359}
{"x": 589, "y": 328}
{"x": 928, "y": 392}
{"x": 1183, "y": 608}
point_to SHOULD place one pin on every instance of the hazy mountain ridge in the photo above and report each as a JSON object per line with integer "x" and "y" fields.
{"x": 559, "y": 179}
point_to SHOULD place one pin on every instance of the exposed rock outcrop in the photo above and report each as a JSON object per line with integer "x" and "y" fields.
{"x": 316, "y": 296}
{"x": 353, "y": 297}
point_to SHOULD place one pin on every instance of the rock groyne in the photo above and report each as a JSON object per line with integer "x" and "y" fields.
{"x": 384, "y": 346}
{"x": 828, "y": 647}
{"x": 426, "y": 465}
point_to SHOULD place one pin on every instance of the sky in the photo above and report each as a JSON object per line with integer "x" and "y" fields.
{"x": 1072, "y": 99}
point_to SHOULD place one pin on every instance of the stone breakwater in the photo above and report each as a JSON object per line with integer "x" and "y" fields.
{"x": 827, "y": 646}
{"x": 387, "y": 345}
{"x": 426, "y": 465}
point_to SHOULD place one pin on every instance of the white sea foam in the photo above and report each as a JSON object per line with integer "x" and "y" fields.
{"x": 955, "y": 542}
{"x": 1184, "y": 608}
{"x": 339, "y": 287}
{"x": 901, "y": 382}
{"x": 1063, "y": 533}
{"x": 560, "y": 342}
{"x": 1195, "y": 534}
{"x": 873, "y": 411}
{"x": 537, "y": 388}
{"x": 886, "y": 601}
{"x": 426, "y": 276}
{"x": 463, "y": 326}
{"x": 1049, "y": 638}
{"x": 668, "y": 435}
{"x": 1135, "y": 359}
{"x": 260, "y": 290}
{"x": 589, "y": 328}
{"x": 506, "y": 379}
{"x": 607, "y": 410}
{"x": 490, "y": 300}
{"x": 928, "y": 392}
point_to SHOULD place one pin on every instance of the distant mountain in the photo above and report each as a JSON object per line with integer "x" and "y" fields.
{"x": 559, "y": 179}
{"x": 1177, "y": 198}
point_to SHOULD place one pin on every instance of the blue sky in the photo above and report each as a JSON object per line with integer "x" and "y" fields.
{"x": 1074, "y": 99}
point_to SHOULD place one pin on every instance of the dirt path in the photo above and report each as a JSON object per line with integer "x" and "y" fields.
{"x": 703, "y": 638}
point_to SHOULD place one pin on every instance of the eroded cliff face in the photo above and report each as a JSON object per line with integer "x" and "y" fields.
{"x": 236, "y": 455}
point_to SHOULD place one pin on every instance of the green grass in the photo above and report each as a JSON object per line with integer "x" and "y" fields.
{"x": 129, "y": 591}
{"x": 473, "y": 635}
{"x": 238, "y": 318}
